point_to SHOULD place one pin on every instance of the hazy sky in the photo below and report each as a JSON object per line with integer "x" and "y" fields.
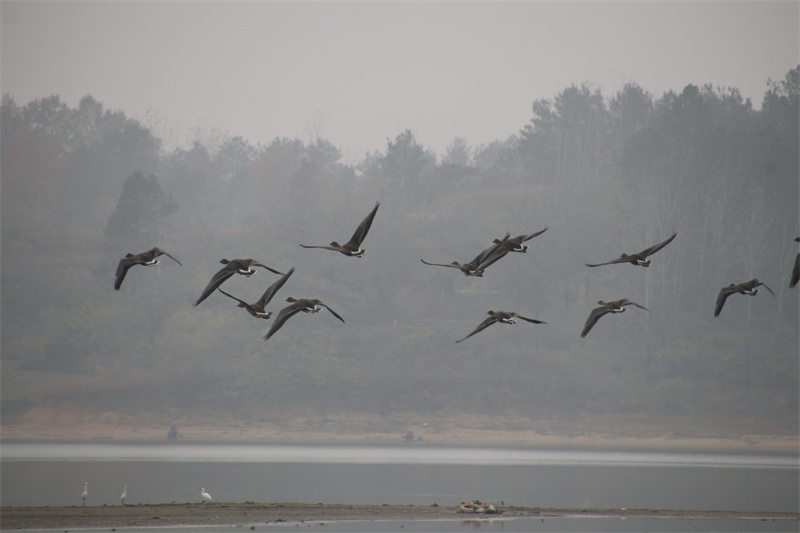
{"x": 359, "y": 73}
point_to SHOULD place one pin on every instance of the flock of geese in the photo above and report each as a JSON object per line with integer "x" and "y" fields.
{"x": 476, "y": 267}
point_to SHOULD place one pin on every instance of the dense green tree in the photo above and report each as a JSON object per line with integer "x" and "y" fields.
{"x": 408, "y": 167}
{"x": 458, "y": 153}
{"x": 566, "y": 141}
{"x": 141, "y": 212}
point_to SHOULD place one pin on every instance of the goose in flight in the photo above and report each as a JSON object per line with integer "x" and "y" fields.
{"x": 748, "y": 287}
{"x": 147, "y": 258}
{"x": 297, "y": 305}
{"x": 796, "y": 270}
{"x": 617, "y": 306}
{"x": 639, "y": 259}
{"x": 258, "y": 309}
{"x": 482, "y": 261}
{"x": 352, "y": 247}
{"x": 502, "y": 317}
{"x": 243, "y": 267}
{"x": 515, "y": 244}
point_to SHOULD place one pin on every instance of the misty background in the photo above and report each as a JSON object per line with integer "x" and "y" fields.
{"x": 242, "y": 129}
{"x": 607, "y": 173}
{"x": 356, "y": 73}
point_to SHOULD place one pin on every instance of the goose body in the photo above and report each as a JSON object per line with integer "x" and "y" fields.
{"x": 616, "y": 307}
{"x": 147, "y": 258}
{"x": 748, "y": 288}
{"x": 243, "y": 267}
{"x": 258, "y": 309}
{"x": 298, "y": 305}
{"x": 85, "y": 494}
{"x": 123, "y": 495}
{"x": 503, "y": 317}
{"x": 206, "y": 496}
{"x": 352, "y": 248}
{"x": 639, "y": 259}
{"x": 482, "y": 261}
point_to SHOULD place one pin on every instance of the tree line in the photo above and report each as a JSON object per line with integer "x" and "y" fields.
{"x": 84, "y": 186}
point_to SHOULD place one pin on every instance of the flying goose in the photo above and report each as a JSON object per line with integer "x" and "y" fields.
{"x": 258, "y": 309}
{"x": 242, "y": 267}
{"x": 796, "y": 270}
{"x": 515, "y": 244}
{"x": 502, "y": 317}
{"x": 482, "y": 261}
{"x": 353, "y": 247}
{"x": 147, "y": 258}
{"x": 639, "y": 259}
{"x": 617, "y": 306}
{"x": 297, "y": 305}
{"x": 748, "y": 287}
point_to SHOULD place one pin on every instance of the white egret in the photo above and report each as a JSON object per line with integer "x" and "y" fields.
{"x": 123, "y": 495}
{"x": 85, "y": 493}
{"x": 206, "y": 496}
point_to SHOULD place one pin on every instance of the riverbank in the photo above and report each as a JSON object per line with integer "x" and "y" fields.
{"x": 63, "y": 424}
{"x": 257, "y": 514}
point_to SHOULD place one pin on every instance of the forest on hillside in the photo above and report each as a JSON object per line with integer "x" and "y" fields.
{"x": 605, "y": 174}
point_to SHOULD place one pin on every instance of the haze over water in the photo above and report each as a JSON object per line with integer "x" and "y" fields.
{"x": 35, "y": 475}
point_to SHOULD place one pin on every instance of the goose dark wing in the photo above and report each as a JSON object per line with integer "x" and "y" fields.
{"x": 482, "y": 326}
{"x": 274, "y": 288}
{"x": 122, "y": 269}
{"x": 723, "y": 295}
{"x": 492, "y": 254}
{"x": 653, "y": 249}
{"x": 531, "y": 320}
{"x": 795, "y": 272}
{"x": 255, "y": 263}
{"x": 615, "y": 261}
{"x": 162, "y": 252}
{"x": 323, "y": 247}
{"x": 363, "y": 228}
{"x": 237, "y": 299}
{"x": 625, "y": 302}
{"x": 216, "y": 280}
{"x": 334, "y": 313}
{"x": 594, "y": 316}
{"x": 285, "y": 314}
{"x": 762, "y": 284}
{"x": 529, "y": 236}
{"x": 441, "y": 264}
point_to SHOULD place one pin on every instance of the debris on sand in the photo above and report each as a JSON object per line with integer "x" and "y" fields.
{"x": 477, "y": 506}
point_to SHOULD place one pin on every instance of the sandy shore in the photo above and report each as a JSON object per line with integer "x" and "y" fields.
{"x": 256, "y": 514}
{"x": 48, "y": 424}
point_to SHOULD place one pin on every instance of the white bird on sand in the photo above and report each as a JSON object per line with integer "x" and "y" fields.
{"x": 124, "y": 495}
{"x": 85, "y": 493}
{"x": 206, "y": 496}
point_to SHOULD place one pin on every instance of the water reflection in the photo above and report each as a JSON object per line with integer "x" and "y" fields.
{"x": 379, "y": 455}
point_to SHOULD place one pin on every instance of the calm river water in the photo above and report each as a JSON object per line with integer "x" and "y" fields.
{"x": 54, "y": 475}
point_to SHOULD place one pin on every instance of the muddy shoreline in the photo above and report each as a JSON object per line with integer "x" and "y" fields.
{"x": 259, "y": 514}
